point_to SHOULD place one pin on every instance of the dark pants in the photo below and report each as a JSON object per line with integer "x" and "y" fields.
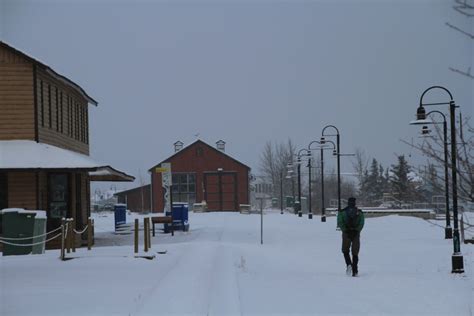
{"x": 351, "y": 240}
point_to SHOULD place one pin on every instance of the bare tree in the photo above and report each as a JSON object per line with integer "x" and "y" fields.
{"x": 273, "y": 162}
{"x": 360, "y": 164}
{"x": 433, "y": 149}
{"x": 466, "y": 8}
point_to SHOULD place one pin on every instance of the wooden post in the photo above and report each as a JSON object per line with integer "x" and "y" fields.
{"x": 62, "y": 239}
{"x": 93, "y": 231}
{"x": 73, "y": 224}
{"x": 149, "y": 232}
{"x": 145, "y": 234}
{"x": 136, "y": 235}
{"x": 89, "y": 234}
{"x": 68, "y": 236}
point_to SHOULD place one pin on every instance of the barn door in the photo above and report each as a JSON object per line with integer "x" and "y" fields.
{"x": 221, "y": 191}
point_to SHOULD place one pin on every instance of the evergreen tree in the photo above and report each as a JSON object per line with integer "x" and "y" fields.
{"x": 402, "y": 186}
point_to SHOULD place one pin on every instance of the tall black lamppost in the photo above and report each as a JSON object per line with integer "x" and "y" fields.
{"x": 323, "y": 213}
{"x": 448, "y": 231}
{"x": 338, "y": 149}
{"x": 310, "y": 211}
{"x": 290, "y": 175}
{"x": 300, "y": 213}
{"x": 457, "y": 260}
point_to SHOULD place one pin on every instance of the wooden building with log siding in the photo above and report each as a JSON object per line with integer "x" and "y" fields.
{"x": 44, "y": 141}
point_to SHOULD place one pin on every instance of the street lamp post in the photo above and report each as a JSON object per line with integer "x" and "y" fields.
{"x": 448, "y": 231}
{"x": 290, "y": 175}
{"x": 457, "y": 260}
{"x": 323, "y": 209}
{"x": 310, "y": 211}
{"x": 338, "y": 150}
{"x": 300, "y": 213}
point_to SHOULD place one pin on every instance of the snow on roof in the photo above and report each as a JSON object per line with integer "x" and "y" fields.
{"x": 27, "y": 154}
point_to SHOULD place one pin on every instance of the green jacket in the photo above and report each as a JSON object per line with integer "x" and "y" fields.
{"x": 342, "y": 220}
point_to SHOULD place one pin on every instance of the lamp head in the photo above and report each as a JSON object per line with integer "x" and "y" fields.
{"x": 334, "y": 152}
{"x": 421, "y": 113}
{"x": 425, "y": 130}
{"x": 322, "y": 141}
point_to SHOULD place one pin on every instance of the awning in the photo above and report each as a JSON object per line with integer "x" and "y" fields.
{"x": 109, "y": 174}
{"x": 30, "y": 155}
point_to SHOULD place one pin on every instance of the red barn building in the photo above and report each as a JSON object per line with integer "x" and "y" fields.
{"x": 201, "y": 172}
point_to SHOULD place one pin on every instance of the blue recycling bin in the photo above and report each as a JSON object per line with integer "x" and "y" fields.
{"x": 120, "y": 211}
{"x": 180, "y": 216}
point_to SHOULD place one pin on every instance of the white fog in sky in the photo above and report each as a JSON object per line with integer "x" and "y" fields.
{"x": 247, "y": 72}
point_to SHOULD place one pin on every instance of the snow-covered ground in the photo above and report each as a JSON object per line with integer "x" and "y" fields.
{"x": 219, "y": 267}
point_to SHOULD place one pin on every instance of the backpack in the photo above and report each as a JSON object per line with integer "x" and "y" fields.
{"x": 352, "y": 217}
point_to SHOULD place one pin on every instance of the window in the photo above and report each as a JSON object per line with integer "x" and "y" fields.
{"x": 58, "y": 189}
{"x": 184, "y": 187}
{"x": 42, "y": 102}
{"x": 3, "y": 190}
{"x": 49, "y": 105}
{"x": 69, "y": 105}
{"x": 62, "y": 111}
{"x": 57, "y": 109}
{"x": 76, "y": 121}
{"x": 87, "y": 125}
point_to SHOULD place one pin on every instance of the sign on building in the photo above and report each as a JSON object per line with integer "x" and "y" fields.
{"x": 166, "y": 182}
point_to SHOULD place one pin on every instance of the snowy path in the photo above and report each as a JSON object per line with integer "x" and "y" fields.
{"x": 220, "y": 268}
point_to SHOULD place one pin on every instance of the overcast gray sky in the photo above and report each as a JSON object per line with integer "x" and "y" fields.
{"x": 247, "y": 71}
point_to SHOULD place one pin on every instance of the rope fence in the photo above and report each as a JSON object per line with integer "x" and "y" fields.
{"x": 82, "y": 231}
{"x": 32, "y": 237}
{"x": 30, "y": 245}
{"x": 67, "y": 235}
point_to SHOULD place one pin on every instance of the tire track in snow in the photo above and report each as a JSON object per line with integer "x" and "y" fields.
{"x": 184, "y": 289}
{"x": 224, "y": 298}
{"x": 143, "y": 298}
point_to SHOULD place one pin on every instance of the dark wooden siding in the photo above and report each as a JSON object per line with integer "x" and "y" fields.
{"x": 137, "y": 200}
{"x": 16, "y": 97}
{"x": 61, "y": 116}
{"x": 22, "y": 190}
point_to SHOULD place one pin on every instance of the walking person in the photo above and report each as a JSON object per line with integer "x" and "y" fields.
{"x": 351, "y": 221}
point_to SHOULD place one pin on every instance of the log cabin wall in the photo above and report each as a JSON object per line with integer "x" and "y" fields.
{"x": 22, "y": 190}
{"x": 16, "y": 97}
{"x": 62, "y": 114}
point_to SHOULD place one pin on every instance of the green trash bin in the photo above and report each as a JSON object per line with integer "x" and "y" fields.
{"x": 17, "y": 223}
{"x": 39, "y": 229}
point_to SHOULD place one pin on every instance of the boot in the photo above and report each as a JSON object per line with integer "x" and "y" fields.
{"x": 355, "y": 268}
{"x": 347, "y": 258}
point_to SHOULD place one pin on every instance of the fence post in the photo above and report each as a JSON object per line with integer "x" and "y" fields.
{"x": 73, "y": 223}
{"x": 68, "y": 235}
{"x": 93, "y": 231}
{"x": 62, "y": 239}
{"x": 148, "y": 225}
{"x": 89, "y": 234}
{"x": 145, "y": 239}
{"x": 136, "y": 236}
